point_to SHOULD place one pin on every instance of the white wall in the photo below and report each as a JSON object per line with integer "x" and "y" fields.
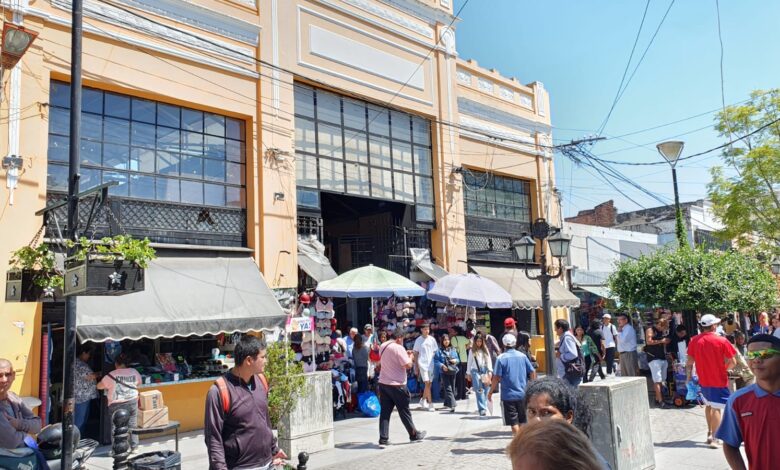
{"x": 599, "y": 248}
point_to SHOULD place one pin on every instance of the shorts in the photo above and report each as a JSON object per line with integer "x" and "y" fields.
{"x": 715, "y": 397}
{"x": 658, "y": 370}
{"x": 514, "y": 412}
{"x": 425, "y": 375}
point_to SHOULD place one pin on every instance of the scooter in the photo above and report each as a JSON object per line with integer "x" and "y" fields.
{"x": 50, "y": 445}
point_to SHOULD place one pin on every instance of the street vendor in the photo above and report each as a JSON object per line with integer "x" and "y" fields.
{"x": 16, "y": 419}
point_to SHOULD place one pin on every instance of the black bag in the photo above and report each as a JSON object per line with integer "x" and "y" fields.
{"x": 451, "y": 369}
{"x": 575, "y": 367}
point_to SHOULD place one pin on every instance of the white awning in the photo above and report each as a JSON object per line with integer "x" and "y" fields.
{"x": 527, "y": 293}
{"x": 312, "y": 259}
{"x": 421, "y": 260}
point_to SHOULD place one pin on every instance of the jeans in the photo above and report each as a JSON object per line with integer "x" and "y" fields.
{"x": 573, "y": 380}
{"x": 132, "y": 408}
{"x": 361, "y": 375}
{"x": 480, "y": 390}
{"x": 460, "y": 392}
{"x": 81, "y": 415}
{"x": 394, "y": 397}
{"x": 610, "y": 358}
{"x": 448, "y": 382}
{"x": 436, "y": 383}
{"x": 592, "y": 366}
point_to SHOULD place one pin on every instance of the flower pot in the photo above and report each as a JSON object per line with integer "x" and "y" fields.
{"x": 102, "y": 276}
{"x": 20, "y": 287}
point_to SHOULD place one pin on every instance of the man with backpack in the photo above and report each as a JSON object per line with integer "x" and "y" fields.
{"x": 238, "y": 427}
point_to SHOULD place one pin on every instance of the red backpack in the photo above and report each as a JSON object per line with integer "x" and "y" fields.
{"x": 225, "y": 395}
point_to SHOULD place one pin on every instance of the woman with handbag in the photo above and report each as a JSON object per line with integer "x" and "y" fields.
{"x": 480, "y": 368}
{"x": 446, "y": 360}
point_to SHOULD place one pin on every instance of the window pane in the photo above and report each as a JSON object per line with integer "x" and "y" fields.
{"x": 381, "y": 183}
{"x": 424, "y": 190}
{"x": 191, "y": 192}
{"x": 404, "y": 187}
{"x": 59, "y": 148}
{"x": 402, "y": 156}
{"x": 59, "y": 94}
{"x": 402, "y": 127}
{"x": 304, "y": 136}
{"x": 143, "y": 135}
{"x": 422, "y": 161}
{"x": 214, "y": 147}
{"x": 142, "y": 160}
{"x": 471, "y": 207}
{"x": 116, "y": 156}
{"x": 308, "y": 198}
{"x": 214, "y": 170}
{"x": 168, "y": 115}
{"x": 379, "y": 147}
{"x": 306, "y": 171}
{"x": 121, "y": 178}
{"x": 167, "y": 163}
{"x": 234, "y": 173}
{"x": 91, "y": 153}
{"x": 355, "y": 114}
{"x": 91, "y": 126}
{"x": 214, "y": 124}
{"x": 59, "y": 121}
{"x": 168, "y": 139}
{"x": 168, "y": 189}
{"x": 89, "y": 178}
{"x": 378, "y": 120}
{"x": 214, "y": 194}
{"x": 424, "y": 213}
{"x": 328, "y": 107}
{"x": 192, "y": 120}
{"x": 192, "y": 143}
{"x": 356, "y": 146}
{"x": 421, "y": 131}
{"x": 57, "y": 177}
{"x": 234, "y": 150}
{"x": 234, "y": 197}
{"x": 117, "y": 105}
{"x": 91, "y": 100}
{"x": 235, "y": 129}
{"x": 144, "y": 110}
{"x": 304, "y": 101}
{"x": 191, "y": 167}
{"x": 142, "y": 186}
{"x": 357, "y": 179}
{"x": 330, "y": 144}
{"x": 332, "y": 175}
{"x": 116, "y": 130}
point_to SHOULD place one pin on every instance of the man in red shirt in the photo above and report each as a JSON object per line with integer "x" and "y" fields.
{"x": 753, "y": 413}
{"x": 713, "y": 356}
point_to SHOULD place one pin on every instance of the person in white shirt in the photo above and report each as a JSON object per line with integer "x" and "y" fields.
{"x": 425, "y": 347}
{"x": 626, "y": 344}
{"x": 609, "y": 333}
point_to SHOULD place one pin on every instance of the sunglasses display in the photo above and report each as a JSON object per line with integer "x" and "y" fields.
{"x": 762, "y": 353}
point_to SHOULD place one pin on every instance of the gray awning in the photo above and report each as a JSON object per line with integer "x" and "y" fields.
{"x": 312, "y": 259}
{"x": 185, "y": 296}
{"x": 527, "y": 293}
{"x": 421, "y": 260}
{"x": 600, "y": 291}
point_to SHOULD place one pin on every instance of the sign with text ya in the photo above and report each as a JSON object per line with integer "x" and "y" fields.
{"x": 299, "y": 324}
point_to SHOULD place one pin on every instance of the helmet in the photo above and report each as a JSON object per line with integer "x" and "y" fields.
{"x": 50, "y": 441}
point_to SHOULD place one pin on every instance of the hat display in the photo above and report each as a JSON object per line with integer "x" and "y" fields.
{"x": 709, "y": 320}
{"x": 304, "y": 299}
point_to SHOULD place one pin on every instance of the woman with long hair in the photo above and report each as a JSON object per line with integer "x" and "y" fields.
{"x": 447, "y": 361}
{"x": 480, "y": 367}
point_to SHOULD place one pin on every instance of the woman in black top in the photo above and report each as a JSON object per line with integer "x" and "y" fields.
{"x": 657, "y": 338}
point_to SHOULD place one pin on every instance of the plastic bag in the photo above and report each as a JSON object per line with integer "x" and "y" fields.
{"x": 412, "y": 385}
{"x": 693, "y": 389}
{"x": 369, "y": 406}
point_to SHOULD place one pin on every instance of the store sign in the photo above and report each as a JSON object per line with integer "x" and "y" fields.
{"x": 299, "y": 324}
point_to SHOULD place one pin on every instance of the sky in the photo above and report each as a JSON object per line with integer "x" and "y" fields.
{"x": 579, "y": 49}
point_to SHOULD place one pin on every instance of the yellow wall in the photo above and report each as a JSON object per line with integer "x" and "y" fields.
{"x": 186, "y": 403}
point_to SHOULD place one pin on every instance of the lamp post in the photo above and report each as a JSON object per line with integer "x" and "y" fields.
{"x": 559, "y": 248}
{"x": 671, "y": 151}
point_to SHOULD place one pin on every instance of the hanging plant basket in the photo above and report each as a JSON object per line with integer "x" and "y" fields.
{"x": 30, "y": 285}
{"x": 102, "y": 274}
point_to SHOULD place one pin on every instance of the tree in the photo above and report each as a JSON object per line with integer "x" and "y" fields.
{"x": 748, "y": 203}
{"x": 695, "y": 280}
{"x": 285, "y": 380}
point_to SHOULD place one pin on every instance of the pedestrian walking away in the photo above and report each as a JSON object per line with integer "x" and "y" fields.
{"x": 570, "y": 354}
{"x": 752, "y": 415}
{"x": 594, "y": 332}
{"x": 237, "y": 426}
{"x": 425, "y": 348}
{"x": 513, "y": 370}
{"x": 360, "y": 352}
{"x": 656, "y": 340}
{"x": 626, "y": 346}
{"x": 589, "y": 352}
{"x": 609, "y": 334}
{"x": 394, "y": 362}
{"x": 713, "y": 356}
{"x": 481, "y": 371}
{"x": 447, "y": 362}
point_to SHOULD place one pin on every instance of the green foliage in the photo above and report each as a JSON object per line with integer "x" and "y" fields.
{"x": 748, "y": 203}
{"x": 118, "y": 247}
{"x": 41, "y": 261}
{"x": 704, "y": 281}
{"x": 285, "y": 380}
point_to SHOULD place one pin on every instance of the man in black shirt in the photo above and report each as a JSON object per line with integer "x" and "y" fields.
{"x": 656, "y": 341}
{"x": 595, "y": 334}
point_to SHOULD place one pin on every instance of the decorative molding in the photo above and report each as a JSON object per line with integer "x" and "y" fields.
{"x": 447, "y": 39}
{"x": 275, "y": 55}
{"x": 124, "y": 38}
{"x": 464, "y": 77}
{"x": 506, "y": 93}
{"x": 250, "y": 3}
{"x": 183, "y": 11}
{"x": 425, "y": 11}
{"x": 485, "y": 85}
{"x": 445, "y": 3}
{"x": 389, "y": 15}
{"x": 526, "y": 102}
{"x": 478, "y": 130}
{"x": 490, "y": 114}
{"x": 115, "y": 16}
{"x": 541, "y": 109}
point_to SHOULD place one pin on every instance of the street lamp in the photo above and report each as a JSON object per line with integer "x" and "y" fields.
{"x": 15, "y": 41}
{"x": 559, "y": 247}
{"x": 671, "y": 151}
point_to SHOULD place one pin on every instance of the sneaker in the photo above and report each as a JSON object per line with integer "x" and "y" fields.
{"x": 715, "y": 444}
{"x": 418, "y": 437}
{"x": 383, "y": 444}
{"x": 483, "y": 413}
{"x": 423, "y": 403}
{"x": 452, "y": 410}
{"x": 431, "y": 407}
{"x": 662, "y": 405}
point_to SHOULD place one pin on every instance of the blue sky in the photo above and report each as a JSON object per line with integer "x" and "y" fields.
{"x": 579, "y": 50}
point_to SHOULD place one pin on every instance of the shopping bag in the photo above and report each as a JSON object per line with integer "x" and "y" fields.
{"x": 370, "y": 406}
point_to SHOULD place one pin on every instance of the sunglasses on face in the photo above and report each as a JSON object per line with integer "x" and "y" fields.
{"x": 762, "y": 353}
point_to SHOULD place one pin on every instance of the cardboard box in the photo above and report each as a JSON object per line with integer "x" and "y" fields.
{"x": 150, "y": 400}
{"x": 153, "y": 418}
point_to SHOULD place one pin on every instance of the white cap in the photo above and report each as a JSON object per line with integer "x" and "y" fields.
{"x": 607, "y": 316}
{"x": 709, "y": 320}
{"x": 509, "y": 340}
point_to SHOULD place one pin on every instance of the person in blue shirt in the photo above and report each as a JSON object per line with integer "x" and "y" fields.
{"x": 513, "y": 370}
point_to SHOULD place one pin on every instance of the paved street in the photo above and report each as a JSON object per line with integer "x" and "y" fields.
{"x": 463, "y": 441}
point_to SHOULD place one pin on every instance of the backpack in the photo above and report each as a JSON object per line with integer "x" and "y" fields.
{"x": 225, "y": 395}
{"x": 575, "y": 367}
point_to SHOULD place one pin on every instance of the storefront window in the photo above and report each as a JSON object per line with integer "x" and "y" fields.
{"x": 496, "y": 197}
{"x": 135, "y": 141}
{"x": 347, "y": 146}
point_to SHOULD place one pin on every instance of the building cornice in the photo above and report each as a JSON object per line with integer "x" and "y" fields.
{"x": 476, "y": 130}
{"x": 372, "y": 7}
{"x": 429, "y": 13}
{"x": 488, "y": 113}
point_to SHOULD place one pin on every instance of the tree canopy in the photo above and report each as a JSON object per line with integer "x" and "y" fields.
{"x": 688, "y": 279}
{"x": 747, "y": 202}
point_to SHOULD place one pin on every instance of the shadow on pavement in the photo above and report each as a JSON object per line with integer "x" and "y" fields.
{"x": 480, "y": 451}
{"x": 686, "y": 443}
{"x": 506, "y": 433}
{"x": 357, "y": 445}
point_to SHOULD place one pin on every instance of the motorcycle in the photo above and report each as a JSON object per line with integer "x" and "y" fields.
{"x": 50, "y": 445}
